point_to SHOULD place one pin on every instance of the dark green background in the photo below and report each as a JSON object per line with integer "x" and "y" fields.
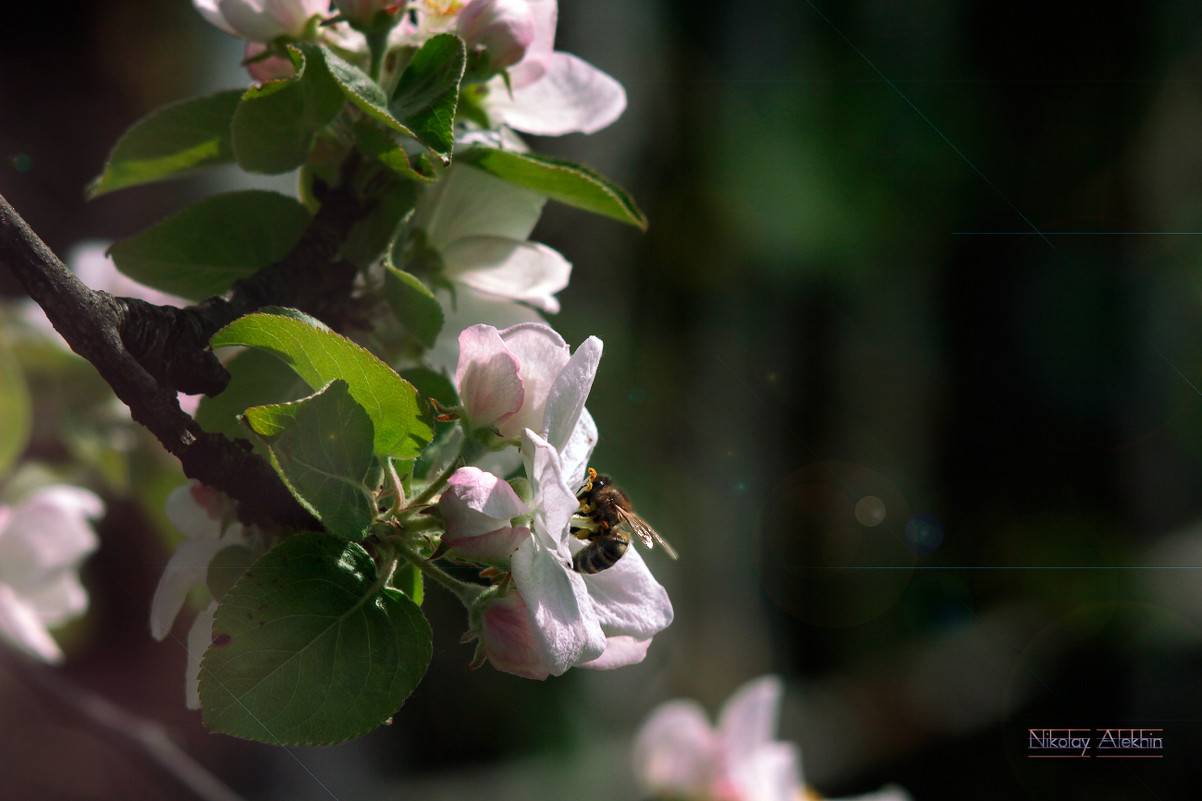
{"x": 941, "y": 254}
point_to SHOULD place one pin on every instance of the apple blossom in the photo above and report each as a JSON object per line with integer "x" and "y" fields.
{"x": 504, "y": 28}
{"x": 262, "y": 20}
{"x": 678, "y": 755}
{"x": 553, "y": 93}
{"x": 205, "y": 517}
{"x": 526, "y": 376}
{"x": 478, "y": 225}
{"x": 43, "y": 541}
{"x": 265, "y": 67}
{"x": 600, "y": 621}
{"x": 501, "y": 623}
{"x": 478, "y": 507}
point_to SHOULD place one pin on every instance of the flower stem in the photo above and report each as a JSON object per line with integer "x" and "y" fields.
{"x": 467, "y": 593}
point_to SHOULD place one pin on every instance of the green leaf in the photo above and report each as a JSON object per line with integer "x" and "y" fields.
{"x": 375, "y": 233}
{"x": 359, "y": 88}
{"x": 227, "y": 566}
{"x": 321, "y": 446}
{"x": 171, "y": 141}
{"x": 414, "y": 305}
{"x": 432, "y": 384}
{"x": 309, "y": 649}
{"x": 275, "y": 124}
{"x": 203, "y": 249}
{"x": 380, "y": 145}
{"x": 408, "y": 579}
{"x": 403, "y": 423}
{"x": 16, "y": 409}
{"x": 428, "y": 92}
{"x": 560, "y": 180}
{"x": 257, "y": 378}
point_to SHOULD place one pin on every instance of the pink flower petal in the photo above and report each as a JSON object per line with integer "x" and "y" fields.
{"x": 542, "y": 354}
{"x": 488, "y": 377}
{"x": 619, "y": 652}
{"x": 572, "y": 96}
{"x": 507, "y": 640}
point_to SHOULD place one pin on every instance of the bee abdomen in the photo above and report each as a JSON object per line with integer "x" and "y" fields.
{"x": 599, "y": 554}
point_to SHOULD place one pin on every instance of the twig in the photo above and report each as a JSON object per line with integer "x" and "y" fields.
{"x": 91, "y": 323}
{"x": 114, "y": 724}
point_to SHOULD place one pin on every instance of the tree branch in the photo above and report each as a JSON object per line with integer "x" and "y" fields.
{"x": 93, "y": 324}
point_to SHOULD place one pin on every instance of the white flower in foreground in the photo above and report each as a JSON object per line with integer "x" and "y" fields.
{"x": 504, "y": 28}
{"x": 679, "y": 755}
{"x": 205, "y": 517}
{"x": 43, "y": 541}
{"x": 553, "y": 93}
{"x": 605, "y": 620}
{"x": 526, "y": 376}
{"x": 553, "y": 618}
{"x": 479, "y": 226}
{"x": 261, "y": 20}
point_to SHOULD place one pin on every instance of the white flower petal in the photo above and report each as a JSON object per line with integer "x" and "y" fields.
{"x": 619, "y": 652}
{"x": 466, "y": 308}
{"x": 554, "y": 500}
{"x": 566, "y": 397}
{"x": 628, "y": 599}
{"x": 487, "y": 376}
{"x": 542, "y": 354}
{"x": 519, "y": 270}
{"x": 748, "y": 718}
{"x": 675, "y": 751}
{"x": 769, "y": 773}
{"x": 59, "y": 598}
{"x": 562, "y": 623}
{"x": 188, "y": 567}
{"x": 470, "y": 202}
{"x": 47, "y": 531}
{"x": 574, "y": 458}
{"x": 194, "y": 510}
{"x": 200, "y": 637}
{"x": 22, "y": 627}
{"x": 208, "y": 9}
{"x": 545, "y": 15}
{"x": 572, "y": 96}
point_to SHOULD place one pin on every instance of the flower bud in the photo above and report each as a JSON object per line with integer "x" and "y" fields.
{"x": 478, "y": 507}
{"x": 501, "y": 623}
{"x": 504, "y": 28}
{"x": 266, "y": 68}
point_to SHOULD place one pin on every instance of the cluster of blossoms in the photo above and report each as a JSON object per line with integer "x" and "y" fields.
{"x": 521, "y": 389}
{"x": 43, "y": 541}
{"x": 678, "y": 755}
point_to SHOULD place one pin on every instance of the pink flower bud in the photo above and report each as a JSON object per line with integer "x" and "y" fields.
{"x": 505, "y": 28}
{"x": 503, "y": 628}
{"x": 266, "y": 69}
{"x": 478, "y": 507}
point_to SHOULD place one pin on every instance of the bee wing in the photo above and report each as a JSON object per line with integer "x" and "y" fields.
{"x": 643, "y": 530}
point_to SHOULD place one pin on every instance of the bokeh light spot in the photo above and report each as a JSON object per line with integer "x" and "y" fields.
{"x": 923, "y": 533}
{"x": 870, "y": 511}
{"x": 22, "y": 162}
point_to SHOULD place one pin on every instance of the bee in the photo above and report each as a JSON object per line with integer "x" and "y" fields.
{"x": 607, "y": 520}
